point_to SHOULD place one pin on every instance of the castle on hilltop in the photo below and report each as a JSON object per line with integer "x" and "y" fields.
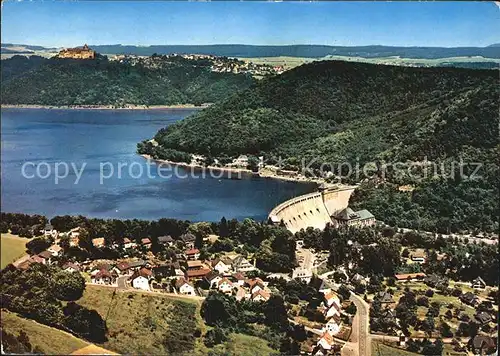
{"x": 77, "y": 53}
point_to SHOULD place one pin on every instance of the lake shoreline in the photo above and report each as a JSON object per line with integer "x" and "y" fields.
{"x": 104, "y": 107}
{"x": 267, "y": 174}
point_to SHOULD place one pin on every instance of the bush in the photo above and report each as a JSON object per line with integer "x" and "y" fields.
{"x": 215, "y": 336}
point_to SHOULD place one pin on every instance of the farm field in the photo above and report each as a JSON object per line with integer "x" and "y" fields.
{"x": 12, "y": 247}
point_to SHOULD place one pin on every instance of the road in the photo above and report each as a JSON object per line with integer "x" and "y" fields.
{"x": 122, "y": 282}
{"x": 360, "y": 336}
{"x": 308, "y": 261}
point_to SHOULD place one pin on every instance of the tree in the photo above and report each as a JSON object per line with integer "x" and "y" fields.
{"x": 201, "y": 231}
{"x": 423, "y": 301}
{"x": 68, "y": 286}
{"x": 275, "y": 313}
{"x": 223, "y": 228}
{"x": 85, "y": 322}
{"x": 215, "y": 336}
{"x": 37, "y": 245}
{"x": 344, "y": 292}
{"x": 219, "y": 309}
{"x": 446, "y": 330}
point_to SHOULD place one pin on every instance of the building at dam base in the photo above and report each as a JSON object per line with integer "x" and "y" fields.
{"x": 327, "y": 206}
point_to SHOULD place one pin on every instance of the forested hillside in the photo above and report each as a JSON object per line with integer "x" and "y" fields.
{"x": 336, "y": 112}
{"x": 154, "y": 81}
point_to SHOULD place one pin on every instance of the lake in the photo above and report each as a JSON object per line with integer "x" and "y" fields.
{"x": 101, "y": 140}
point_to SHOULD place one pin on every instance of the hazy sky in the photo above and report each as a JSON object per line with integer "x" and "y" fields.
{"x": 71, "y": 23}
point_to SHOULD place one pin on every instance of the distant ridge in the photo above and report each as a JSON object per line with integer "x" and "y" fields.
{"x": 310, "y": 51}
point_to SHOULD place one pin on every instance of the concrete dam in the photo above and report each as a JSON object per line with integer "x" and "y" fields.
{"x": 313, "y": 209}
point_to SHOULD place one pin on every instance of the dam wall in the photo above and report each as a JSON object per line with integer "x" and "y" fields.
{"x": 311, "y": 210}
{"x": 336, "y": 200}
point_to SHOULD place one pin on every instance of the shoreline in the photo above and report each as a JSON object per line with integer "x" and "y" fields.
{"x": 103, "y": 107}
{"x": 267, "y": 174}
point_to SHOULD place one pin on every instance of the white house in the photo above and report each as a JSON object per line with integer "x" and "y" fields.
{"x": 184, "y": 287}
{"x": 127, "y": 243}
{"x": 213, "y": 278}
{"x": 302, "y": 274}
{"x": 241, "y": 264}
{"x": 74, "y": 236}
{"x": 241, "y": 161}
{"x": 140, "y": 282}
{"x": 225, "y": 285}
{"x": 333, "y": 325}
{"x": 140, "y": 279}
{"x": 478, "y": 283}
{"x": 239, "y": 278}
{"x": 166, "y": 240}
{"x": 223, "y": 265}
{"x": 192, "y": 254}
{"x": 325, "y": 287}
{"x": 49, "y": 231}
{"x": 332, "y": 298}
{"x": 333, "y": 311}
{"x": 55, "y": 250}
{"x": 326, "y": 341}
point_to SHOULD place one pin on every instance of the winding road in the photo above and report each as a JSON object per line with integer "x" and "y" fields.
{"x": 360, "y": 341}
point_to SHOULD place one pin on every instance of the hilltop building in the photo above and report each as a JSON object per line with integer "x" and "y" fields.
{"x": 77, "y": 53}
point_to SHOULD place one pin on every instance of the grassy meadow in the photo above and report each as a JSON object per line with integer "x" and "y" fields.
{"x": 144, "y": 323}
{"x": 48, "y": 340}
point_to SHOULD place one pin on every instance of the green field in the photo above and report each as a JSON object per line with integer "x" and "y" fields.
{"x": 244, "y": 345}
{"x": 12, "y": 248}
{"x": 46, "y": 339}
{"x": 380, "y": 349}
{"x": 142, "y": 323}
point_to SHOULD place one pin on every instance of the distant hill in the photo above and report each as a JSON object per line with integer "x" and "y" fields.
{"x": 29, "y": 47}
{"x": 343, "y": 112}
{"x": 308, "y": 51}
{"x": 152, "y": 81}
{"x": 12, "y": 51}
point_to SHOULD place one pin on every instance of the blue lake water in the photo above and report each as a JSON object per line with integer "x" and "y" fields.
{"x": 109, "y": 138}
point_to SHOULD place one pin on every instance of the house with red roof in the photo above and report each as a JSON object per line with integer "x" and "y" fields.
{"x": 192, "y": 254}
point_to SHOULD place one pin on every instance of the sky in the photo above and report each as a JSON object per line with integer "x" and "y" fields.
{"x": 72, "y": 23}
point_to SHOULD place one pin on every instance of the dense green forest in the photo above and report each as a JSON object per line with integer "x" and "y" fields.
{"x": 157, "y": 80}
{"x": 342, "y": 112}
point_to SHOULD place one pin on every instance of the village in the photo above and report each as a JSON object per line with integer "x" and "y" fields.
{"x": 346, "y": 298}
{"x": 216, "y": 64}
